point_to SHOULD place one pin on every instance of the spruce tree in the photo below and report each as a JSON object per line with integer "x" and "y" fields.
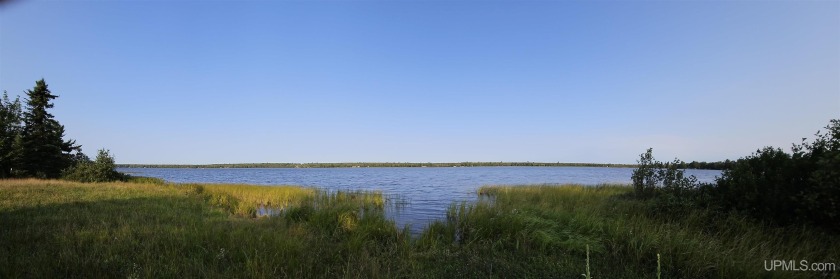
{"x": 11, "y": 126}
{"x": 45, "y": 152}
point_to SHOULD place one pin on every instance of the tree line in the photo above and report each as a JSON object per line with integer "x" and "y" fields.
{"x": 721, "y": 165}
{"x": 376, "y": 165}
{"x": 32, "y": 142}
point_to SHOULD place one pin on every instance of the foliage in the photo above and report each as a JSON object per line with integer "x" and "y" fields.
{"x": 720, "y": 165}
{"x": 32, "y": 143}
{"x": 823, "y": 198}
{"x": 11, "y": 126}
{"x": 644, "y": 177}
{"x": 653, "y": 177}
{"x": 100, "y": 170}
{"x": 669, "y": 193}
{"x": 45, "y": 153}
{"x": 802, "y": 187}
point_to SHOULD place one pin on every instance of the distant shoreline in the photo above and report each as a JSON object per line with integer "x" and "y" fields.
{"x": 377, "y": 165}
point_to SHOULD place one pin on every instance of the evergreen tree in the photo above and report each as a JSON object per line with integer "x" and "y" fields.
{"x": 45, "y": 152}
{"x": 11, "y": 126}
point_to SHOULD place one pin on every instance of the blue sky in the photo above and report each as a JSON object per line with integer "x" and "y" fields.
{"x": 428, "y": 81}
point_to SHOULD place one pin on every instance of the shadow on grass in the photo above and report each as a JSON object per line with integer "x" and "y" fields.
{"x": 101, "y": 238}
{"x": 173, "y": 236}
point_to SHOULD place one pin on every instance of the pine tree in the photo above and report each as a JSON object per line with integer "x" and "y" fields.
{"x": 45, "y": 153}
{"x": 11, "y": 126}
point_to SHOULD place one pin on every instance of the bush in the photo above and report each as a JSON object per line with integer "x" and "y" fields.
{"x": 823, "y": 197}
{"x": 798, "y": 188}
{"x": 763, "y": 185}
{"x": 668, "y": 191}
{"x": 644, "y": 177}
{"x": 100, "y": 170}
{"x": 652, "y": 177}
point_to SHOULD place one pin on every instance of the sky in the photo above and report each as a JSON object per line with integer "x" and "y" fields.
{"x": 195, "y": 82}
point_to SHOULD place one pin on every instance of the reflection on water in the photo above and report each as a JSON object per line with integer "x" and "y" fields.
{"x": 264, "y": 211}
{"x": 413, "y": 196}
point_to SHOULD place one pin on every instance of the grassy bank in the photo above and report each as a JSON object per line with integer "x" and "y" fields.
{"x": 144, "y": 230}
{"x": 152, "y": 230}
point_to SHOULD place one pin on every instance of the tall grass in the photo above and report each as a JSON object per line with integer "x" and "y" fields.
{"x": 545, "y": 224}
{"x": 52, "y": 228}
{"x": 65, "y": 229}
{"x": 246, "y": 200}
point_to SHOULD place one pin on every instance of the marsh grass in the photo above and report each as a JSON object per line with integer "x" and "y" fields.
{"x": 52, "y": 228}
{"x": 550, "y": 230}
{"x": 144, "y": 179}
{"x": 246, "y": 200}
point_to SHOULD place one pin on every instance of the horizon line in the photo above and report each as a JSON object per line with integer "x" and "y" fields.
{"x": 372, "y": 162}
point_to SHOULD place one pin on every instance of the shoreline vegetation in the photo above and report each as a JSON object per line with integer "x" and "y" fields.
{"x": 146, "y": 228}
{"x": 373, "y": 165}
{"x": 693, "y": 165}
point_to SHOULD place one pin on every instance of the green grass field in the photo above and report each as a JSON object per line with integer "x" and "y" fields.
{"x": 147, "y": 229}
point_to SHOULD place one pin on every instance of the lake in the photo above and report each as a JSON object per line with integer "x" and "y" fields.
{"x": 427, "y": 191}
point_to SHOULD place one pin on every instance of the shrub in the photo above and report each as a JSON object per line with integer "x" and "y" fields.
{"x": 668, "y": 191}
{"x": 763, "y": 185}
{"x": 653, "y": 177}
{"x": 100, "y": 170}
{"x": 802, "y": 187}
{"x": 823, "y": 197}
{"x": 644, "y": 177}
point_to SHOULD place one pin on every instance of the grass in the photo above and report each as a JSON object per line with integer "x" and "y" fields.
{"x": 142, "y": 230}
{"x": 149, "y": 229}
{"x": 246, "y": 200}
{"x": 558, "y": 224}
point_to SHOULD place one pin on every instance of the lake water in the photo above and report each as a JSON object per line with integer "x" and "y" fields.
{"x": 428, "y": 191}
